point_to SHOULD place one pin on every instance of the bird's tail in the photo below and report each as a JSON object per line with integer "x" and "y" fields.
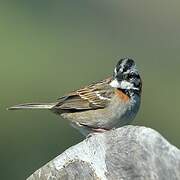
{"x": 32, "y": 106}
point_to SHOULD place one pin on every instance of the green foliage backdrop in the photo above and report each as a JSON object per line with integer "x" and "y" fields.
{"x": 48, "y": 48}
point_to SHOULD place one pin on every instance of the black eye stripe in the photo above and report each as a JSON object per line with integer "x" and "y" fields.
{"x": 129, "y": 63}
{"x": 124, "y": 64}
{"x": 133, "y": 75}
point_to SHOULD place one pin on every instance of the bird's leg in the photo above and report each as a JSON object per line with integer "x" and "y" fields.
{"x": 99, "y": 130}
{"x": 96, "y": 131}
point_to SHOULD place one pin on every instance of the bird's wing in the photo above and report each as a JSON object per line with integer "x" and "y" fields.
{"x": 94, "y": 96}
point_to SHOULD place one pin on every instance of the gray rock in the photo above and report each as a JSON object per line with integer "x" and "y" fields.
{"x": 127, "y": 153}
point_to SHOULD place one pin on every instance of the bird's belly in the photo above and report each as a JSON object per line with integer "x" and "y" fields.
{"x": 115, "y": 115}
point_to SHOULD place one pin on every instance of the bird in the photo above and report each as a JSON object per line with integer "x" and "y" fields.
{"x": 100, "y": 106}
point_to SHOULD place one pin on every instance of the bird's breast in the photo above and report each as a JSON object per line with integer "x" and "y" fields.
{"x": 122, "y": 96}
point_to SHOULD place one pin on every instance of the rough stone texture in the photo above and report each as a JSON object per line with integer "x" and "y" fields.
{"x": 127, "y": 153}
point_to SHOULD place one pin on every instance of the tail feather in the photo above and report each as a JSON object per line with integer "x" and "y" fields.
{"x": 32, "y": 106}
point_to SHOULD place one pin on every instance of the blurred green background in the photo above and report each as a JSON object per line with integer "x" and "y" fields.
{"x": 49, "y": 48}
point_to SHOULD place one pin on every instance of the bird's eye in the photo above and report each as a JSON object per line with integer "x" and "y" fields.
{"x": 130, "y": 76}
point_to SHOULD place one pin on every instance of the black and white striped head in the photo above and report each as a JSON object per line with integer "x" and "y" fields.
{"x": 126, "y": 76}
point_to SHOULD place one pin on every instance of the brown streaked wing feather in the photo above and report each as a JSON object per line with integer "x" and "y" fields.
{"x": 94, "y": 96}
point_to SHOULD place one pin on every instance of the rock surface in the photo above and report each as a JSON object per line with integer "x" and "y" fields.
{"x": 127, "y": 153}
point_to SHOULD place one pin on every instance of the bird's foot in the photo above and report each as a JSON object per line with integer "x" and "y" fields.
{"x": 96, "y": 131}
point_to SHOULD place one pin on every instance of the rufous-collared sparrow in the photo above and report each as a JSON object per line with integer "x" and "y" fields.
{"x": 101, "y": 106}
